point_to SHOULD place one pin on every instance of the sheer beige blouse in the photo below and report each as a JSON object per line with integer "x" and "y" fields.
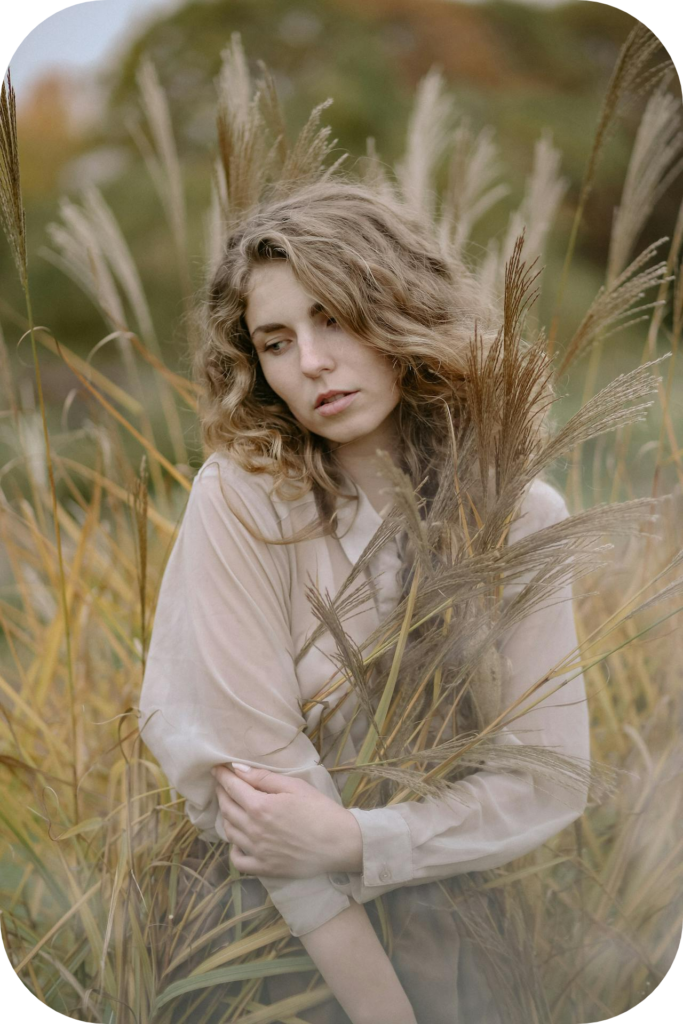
{"x": 221, "y": 685}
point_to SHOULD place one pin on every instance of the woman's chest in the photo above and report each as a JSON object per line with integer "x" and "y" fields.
{"x": 351, "y": 615}
{"x": 333, "y": 713}
{"x": 319, "y": 605}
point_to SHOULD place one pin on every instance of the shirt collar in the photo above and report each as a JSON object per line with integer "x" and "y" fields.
{"x": 357, "y": 522}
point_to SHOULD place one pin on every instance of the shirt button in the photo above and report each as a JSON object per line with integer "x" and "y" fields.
{"x": 385, "y": 875}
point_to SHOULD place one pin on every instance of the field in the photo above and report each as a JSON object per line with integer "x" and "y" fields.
{"x": 96, "y": 916}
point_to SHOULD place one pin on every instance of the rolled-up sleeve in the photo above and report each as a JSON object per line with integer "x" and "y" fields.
{"x": 493, "y": 817}
{"x": 220, "y": 683}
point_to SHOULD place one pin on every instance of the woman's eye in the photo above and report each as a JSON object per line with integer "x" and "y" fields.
{"x": 330, "y": 321}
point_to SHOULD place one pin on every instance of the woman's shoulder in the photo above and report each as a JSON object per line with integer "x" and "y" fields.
{"x": 224, "y": 466}
{"x": 223, "y": 484}
{"x": 542, "y": 505}
{"x": 227, "y": 488}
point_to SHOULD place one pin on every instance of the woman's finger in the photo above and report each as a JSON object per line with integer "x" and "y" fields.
{"x": 244, "y": 793}
{"x": 237, "y": 838}
{"x": 233, "y": 835}
{"x": 232, "y": 810}
{"x": 225, "y": 803}
{"x": 244, "y": 863}
{"x": 234, "y": 832}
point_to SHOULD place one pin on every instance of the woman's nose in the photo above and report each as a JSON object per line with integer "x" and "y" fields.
{"x": 315, "y": 354}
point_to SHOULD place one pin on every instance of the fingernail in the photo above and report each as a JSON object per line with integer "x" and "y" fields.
{"x": 242, "y": 767}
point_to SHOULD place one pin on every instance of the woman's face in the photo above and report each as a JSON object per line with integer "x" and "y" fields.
{"x": 304, "y": 353}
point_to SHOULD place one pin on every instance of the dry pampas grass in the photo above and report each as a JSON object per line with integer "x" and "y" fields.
{"x": 105, "y": 915}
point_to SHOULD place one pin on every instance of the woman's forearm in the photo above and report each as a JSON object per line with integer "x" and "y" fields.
{"x": 354, "y": 964}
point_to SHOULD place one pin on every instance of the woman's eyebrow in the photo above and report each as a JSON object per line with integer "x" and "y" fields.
{"x": 316, "y": 308}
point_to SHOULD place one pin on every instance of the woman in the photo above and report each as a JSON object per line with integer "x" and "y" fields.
{"x": 335, "y": 289}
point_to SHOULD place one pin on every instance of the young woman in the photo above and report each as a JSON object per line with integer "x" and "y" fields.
{"x": 336, "y": 327}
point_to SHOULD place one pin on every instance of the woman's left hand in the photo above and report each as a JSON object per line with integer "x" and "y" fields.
{"x": 282, "y": 826}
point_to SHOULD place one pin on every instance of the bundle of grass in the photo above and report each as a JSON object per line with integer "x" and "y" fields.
{"x": 108, "y": 914}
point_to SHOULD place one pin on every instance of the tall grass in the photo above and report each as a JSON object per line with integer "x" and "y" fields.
{"x": 106, "y": 916}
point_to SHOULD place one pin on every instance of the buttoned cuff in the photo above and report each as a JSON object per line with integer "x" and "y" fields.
{"x": 387, "y": 855}
{"x": 305, "y": 904}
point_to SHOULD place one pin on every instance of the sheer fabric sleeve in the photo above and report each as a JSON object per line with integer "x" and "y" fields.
{"x": 493, "y": 817}
{"x": 220, "y": 683}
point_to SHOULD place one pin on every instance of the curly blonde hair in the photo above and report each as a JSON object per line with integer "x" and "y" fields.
{"x": 385, "y": 278}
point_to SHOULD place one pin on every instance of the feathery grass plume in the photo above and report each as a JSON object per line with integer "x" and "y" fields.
{"x": 28, "y": 441}
{"x": 119, "y": 257}
{"x": 81, "y": 257}
{"x": 11, "y": 204}
{"x": 677, "y": 303}
{"x": 538, "y": 761}
{"x": 673, "y": 589}
{"x": 605, "y": 411}
{"x": 390, "y": 526}
{"x": 93, "y": 253}
{"x": 247, "y": 156}
{"x": 374, "y": 173}
{"x": 428, "y": 135}
{"x": 613, "y": 303}
{"x": 543, "y": 194}
{"x": 519, "y": 379}
{"x": 271, "y": 112}
{"x": 407, "y": 503}
{"x": 306, "y": 159}
{"x": 542, "y": 559}
{"x": 255, "y": 155}
{"x": 655, "y": 163}
{"x": 513, "y": 377}
{"x": 470, "y": 192}
{"x": 349, "y": 657}
{"x": 672, "y": 263}
{"x": 471, "y": 755}
{"x": 161, "y": 157}
{"x": 632, "y": 76}
{"x": 344, "y": 604}
{"x": 647, "y": 177}
{"x": 214, "y": 219}
{"x": 114, "y": 248}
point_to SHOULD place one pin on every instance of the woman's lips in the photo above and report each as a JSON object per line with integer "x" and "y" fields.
{"x": 330, "y": 408}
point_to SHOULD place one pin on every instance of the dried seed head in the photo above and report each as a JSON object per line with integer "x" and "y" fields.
{"x": 11, "y": 207}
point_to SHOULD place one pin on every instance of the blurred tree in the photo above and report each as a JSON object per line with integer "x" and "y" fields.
{"x": 315, "y": 49}
{"x": 48, "y": 139}
{"x": 512, "y": 66}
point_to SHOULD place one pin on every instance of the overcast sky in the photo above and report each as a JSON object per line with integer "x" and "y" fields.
{"x": 81, "y": 36}
{"x": 84, "y": 34}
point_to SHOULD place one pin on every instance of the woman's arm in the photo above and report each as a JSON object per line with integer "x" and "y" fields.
{"x": 220, "y": 683}
{"x": 353, "y": 962}
{"x": 492, "y": 817}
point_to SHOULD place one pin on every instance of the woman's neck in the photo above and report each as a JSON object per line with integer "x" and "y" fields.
{"x": 360, "y": 461}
